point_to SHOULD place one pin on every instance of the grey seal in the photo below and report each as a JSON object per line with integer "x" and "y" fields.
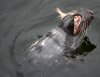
{"x": 60, "y": 39}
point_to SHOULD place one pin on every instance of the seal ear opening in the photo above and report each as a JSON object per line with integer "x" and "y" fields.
{"x": 61, "y": 14}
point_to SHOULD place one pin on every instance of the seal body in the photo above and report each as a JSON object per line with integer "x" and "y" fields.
{"x": 50, "y": 46}
{"x": 67, "y": 36}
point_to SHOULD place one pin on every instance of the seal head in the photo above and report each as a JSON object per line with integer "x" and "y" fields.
{"x": 76, "y": 21}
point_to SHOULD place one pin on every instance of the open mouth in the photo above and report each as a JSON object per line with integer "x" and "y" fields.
{"x": 77, "y": 21}
{"x": 79, "y": 25}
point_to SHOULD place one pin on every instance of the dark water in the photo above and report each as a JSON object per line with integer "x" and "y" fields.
{"x": 21, "y": 21}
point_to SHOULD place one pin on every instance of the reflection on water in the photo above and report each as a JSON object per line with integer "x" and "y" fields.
{"x": 85, "y": 48}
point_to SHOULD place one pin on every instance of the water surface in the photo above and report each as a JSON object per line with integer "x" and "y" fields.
{"x": 21, "y": 21}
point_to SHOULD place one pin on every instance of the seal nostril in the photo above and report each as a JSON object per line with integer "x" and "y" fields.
{"x": 91, "y": 12}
